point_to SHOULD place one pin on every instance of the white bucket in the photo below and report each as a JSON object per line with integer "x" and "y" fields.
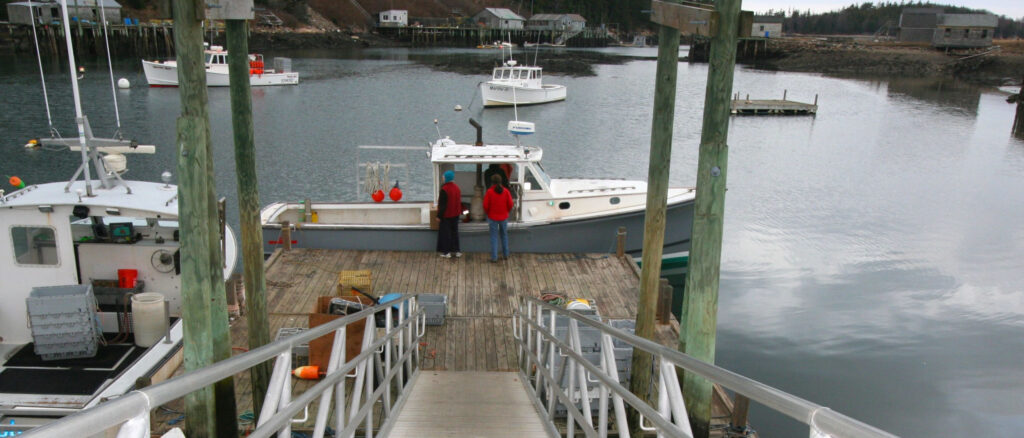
{"x": 148, "y": 318}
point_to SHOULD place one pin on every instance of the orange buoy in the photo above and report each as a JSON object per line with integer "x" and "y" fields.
{"x": 17, "y": 182}
{"x": 308, "y": 372}
{"x": 378, "y": 196}
{"x": 396, "y": 193}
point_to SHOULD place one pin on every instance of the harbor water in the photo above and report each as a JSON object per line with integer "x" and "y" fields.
{"x": 873, "y": 257}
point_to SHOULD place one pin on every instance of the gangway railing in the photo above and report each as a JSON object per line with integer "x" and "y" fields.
{"x": 545, "y": 360}
{"x": 395, "y": 356}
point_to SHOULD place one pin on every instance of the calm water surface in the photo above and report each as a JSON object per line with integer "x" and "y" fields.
{"x": 874, "y": 255}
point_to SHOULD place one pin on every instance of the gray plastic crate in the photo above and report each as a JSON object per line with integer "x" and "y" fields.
{"x": 63, "y": 320}
{"x": 300, "y": 352}
{"x": 435, "y": 306}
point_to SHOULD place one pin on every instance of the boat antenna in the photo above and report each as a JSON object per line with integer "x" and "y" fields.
{"x": 536, "y": 50}
{"x": 42, "y": 78}
{"x": 79, "y": 118}
{"x": 110, "y": 66}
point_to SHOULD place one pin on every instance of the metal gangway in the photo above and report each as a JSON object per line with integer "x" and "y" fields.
{"x": 553, "y": 372}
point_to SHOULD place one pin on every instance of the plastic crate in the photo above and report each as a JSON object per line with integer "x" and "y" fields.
{"x": 300, "y": 352}
{"x": 63, "y": 320}
{"x": 435, "y": 306}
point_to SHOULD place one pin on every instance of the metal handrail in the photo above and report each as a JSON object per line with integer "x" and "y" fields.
{"x": 138, "y": 403}
{"x": 815, "y": 416}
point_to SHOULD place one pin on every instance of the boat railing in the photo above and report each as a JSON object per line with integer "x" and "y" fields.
{"x": 555, "y": 371}
{"x": 395, "y": 356}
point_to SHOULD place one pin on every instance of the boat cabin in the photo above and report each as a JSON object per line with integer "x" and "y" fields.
{"x": 511, "y": 74}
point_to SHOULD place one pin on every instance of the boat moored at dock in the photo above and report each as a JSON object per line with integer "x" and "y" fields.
{"x": 165, "y": 73}
{"x": 514, "y": 84}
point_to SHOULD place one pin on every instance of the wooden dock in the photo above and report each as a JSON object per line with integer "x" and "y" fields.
{"x": 782, "y": 107}
{"x": 477, "y": 334}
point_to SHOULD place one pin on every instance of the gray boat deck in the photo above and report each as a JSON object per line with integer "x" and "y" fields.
{"x": 468, "y": 404}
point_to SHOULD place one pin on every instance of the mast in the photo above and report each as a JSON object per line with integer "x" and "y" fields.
{"x": 79, "y": 118}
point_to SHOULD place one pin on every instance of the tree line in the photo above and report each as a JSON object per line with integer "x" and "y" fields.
{"x": 871, "y": 18}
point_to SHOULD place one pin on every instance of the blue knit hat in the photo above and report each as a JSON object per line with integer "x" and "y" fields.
{"x": 449, "y": 176}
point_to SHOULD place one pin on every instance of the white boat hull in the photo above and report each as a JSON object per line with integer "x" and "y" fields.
{"x": 165, "y": 74}
{"x": 494, "y": 94}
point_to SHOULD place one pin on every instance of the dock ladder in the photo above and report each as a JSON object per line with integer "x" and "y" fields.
{"x": 555, "y": 378}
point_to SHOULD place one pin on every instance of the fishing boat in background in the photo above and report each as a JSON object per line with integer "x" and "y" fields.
{"x": 550, "y": 215}
{"x": 514, "y": 84}
{"x": 165, "y": 73}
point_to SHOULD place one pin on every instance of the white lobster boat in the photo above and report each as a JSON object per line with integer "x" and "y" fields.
{"x": 513, "y": 84}
{"x": 550, "y": 215}
{"x": 165, "y": 73}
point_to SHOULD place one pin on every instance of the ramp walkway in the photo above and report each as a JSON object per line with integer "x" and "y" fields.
{"x": 468, "y": 404}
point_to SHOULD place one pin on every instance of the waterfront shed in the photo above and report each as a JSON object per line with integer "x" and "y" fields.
{"x": 43, "y": 12}
{"x": 499, "y": 18}
{"x": 89, "y": 10}
{"x": 768, "y": 26}
{"x": 556, "y": 22}
{"x": 394, "y": 18}
{"x": 941, "y": 30}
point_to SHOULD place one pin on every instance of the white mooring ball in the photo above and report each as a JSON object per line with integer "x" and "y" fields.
{"x": 123, "y": 83}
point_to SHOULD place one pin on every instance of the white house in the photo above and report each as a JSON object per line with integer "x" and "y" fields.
{"x": 767, "y": 26}
{"x": 394, "y": 18}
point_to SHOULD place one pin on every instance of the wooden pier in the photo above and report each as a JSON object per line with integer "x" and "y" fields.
{"x": 477, "y": 334}
{"x": 770, "y": 107}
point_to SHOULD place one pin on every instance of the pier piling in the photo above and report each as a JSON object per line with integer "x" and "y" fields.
{"x": 211, "y": 411}
{"x": 1018, "y": 120}
{"x": 248, "y": 202}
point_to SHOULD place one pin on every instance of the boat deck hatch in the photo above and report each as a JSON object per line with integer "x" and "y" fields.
{"x": 27, "y": 373}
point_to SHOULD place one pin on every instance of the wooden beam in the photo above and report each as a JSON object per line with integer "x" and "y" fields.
{"x": 688, "y": 18}
{"x": 657, "y": 204}
{"x": 248, "y": 203}
{"x": 700, "y": 301}
{"x": 208, "y": 412}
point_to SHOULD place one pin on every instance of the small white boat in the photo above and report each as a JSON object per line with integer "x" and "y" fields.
{"x": 165, "y": 73}
{"x": 513, "y": 84}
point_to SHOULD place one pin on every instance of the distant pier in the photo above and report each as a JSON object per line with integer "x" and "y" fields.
{"x": 446, "y": 36}
{"x": 774, "y": 107}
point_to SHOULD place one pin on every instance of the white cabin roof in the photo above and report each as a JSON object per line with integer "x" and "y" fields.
{"x": 447, "y": 151}
{"x": 146, "y": 199}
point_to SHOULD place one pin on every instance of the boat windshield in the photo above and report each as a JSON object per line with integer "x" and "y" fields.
{"x": 537, "y": 171}
{"x": 209, "y": 58}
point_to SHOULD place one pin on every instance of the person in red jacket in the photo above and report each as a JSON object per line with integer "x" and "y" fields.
{"x": 449, "y": 207}
{"x": 497, "y": 204}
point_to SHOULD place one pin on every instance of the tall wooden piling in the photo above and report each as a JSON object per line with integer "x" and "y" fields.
{"x": 700, "y": 301}
{"x": 208, "y": 412}
{"x": 248, "y": 202}
{"x": 654, "y": 219}
{"x": 1018, "y": 121}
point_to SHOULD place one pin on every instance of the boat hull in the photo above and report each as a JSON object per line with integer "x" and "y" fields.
{"x": 494, "y": 94}
{"x": 166, "y": 75}
{"x": 591, "y": 235}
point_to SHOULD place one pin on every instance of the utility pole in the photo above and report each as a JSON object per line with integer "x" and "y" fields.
{"x": 654, "y": 218}
{"x": 209, "y": 412}
{"x": 700, "y": 298}
{"x": 248, "y": 202}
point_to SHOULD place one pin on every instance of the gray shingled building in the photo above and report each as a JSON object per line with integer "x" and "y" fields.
{"x": 499, "y": 18}
{"x": 941, "y": 30}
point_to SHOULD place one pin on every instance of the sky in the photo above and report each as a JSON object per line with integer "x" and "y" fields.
{"x": 1009, "y": 8}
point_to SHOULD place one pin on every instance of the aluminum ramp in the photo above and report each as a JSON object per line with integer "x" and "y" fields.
{"x": 468, "y": 404}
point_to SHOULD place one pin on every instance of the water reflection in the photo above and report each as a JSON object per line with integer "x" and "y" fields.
{"x": 941, "y": 93}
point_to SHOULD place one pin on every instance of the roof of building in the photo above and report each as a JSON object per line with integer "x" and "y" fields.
{"x": 81, "y": 3}
{"x": 504, "y": 14}
{"x": 968, "y": 20}
{"x": 394, "y": 10}
{"x": 921, "y": 11}
{"x": 768, "y": 19}
{"x": 546, "y": 17}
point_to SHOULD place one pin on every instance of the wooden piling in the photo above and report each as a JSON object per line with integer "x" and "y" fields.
{"x": 286, "y": 235}
{"x": 248, "y": 202}
{"x": 1018, "y": 120}
{"x": 700, "y": 301}
{"x": 657, "y": 204}
{"x": 210, "y": 411}
{"x": 620, "y": 242}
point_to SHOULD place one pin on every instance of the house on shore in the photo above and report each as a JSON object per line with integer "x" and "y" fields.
{"x": 768, "y": 26}
{"x": 46, "y": 12}
{"x": 557, "y": 22}
{"x": 942, "y": 30}
{"x": 393, "y": 18}
{"x": 499, "y": 18}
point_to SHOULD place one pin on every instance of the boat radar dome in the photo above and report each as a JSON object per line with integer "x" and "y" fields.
{"x": 516, "y": 127}
{"x": 511, "y": 63}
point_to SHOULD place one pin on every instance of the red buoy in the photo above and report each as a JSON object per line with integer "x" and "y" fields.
{"x": 396, "y": 193}
{"x": 378, "y": 196}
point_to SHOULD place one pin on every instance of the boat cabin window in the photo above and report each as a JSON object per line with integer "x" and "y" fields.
{"x": 34, "y": 245}
{"x": 209, "y": 58}
{"x": 533, "y": 178}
